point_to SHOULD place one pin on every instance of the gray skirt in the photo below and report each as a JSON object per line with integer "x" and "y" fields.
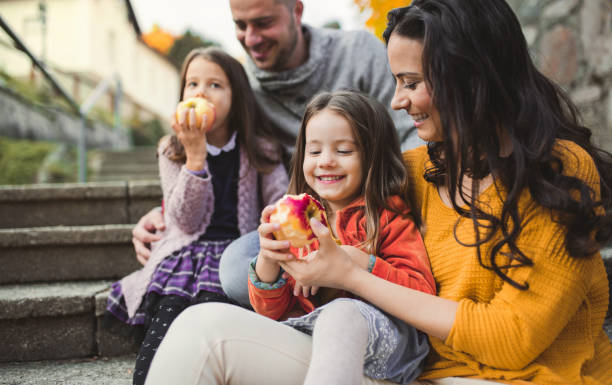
{"x": 395, "y": 350}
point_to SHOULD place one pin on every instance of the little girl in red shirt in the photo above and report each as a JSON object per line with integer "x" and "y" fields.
{"x": 348, "y": 157}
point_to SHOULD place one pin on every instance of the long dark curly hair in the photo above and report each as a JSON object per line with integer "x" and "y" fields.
{"x": 477, "y": 65}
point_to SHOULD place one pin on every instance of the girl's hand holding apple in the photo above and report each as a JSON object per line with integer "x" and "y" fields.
{"x": 202, "y": 109}
{"x": 271, "y": 251}
{"x": 194, "y": 117}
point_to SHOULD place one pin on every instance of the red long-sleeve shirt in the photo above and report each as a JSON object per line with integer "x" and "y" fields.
{"x": 401, "y": 259}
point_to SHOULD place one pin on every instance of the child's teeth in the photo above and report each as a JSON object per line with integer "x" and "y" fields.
{"x": 330, "y": 178}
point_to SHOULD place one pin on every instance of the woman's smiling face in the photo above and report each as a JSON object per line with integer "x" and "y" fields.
{"x": 411, "y": 92}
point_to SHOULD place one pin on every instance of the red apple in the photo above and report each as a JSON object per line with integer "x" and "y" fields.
{"x": 293, "y": 213}
{"x": 202, "y": 107}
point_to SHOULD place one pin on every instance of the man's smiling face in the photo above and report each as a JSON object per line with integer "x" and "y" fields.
{"x": 268, "y": 31}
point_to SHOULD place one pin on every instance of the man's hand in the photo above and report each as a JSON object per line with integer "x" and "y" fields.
{"x": 145, "y": 232}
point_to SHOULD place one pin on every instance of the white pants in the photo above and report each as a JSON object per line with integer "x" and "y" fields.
{"x": 216, "y": 343}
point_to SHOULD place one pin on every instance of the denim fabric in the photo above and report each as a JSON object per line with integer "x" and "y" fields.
{"x": 234, "y": 267}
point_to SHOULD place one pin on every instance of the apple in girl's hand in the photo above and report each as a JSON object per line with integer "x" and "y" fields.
{"x": 202, "y": 107}
{"x": 293, "y": 213}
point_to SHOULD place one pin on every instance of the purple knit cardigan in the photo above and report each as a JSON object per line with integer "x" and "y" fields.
{"x": 188, "y": 206}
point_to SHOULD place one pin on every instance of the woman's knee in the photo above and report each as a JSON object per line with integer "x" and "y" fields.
{"x": 206, "y": 316}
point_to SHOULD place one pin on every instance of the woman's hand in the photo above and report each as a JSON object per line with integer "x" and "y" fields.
{"x": 338, "y": 267}
{"x": 357, "y": 256}
{"x": 361, "y": 258}
{"x": 302, "y": 289}
{"x": 330, "y": 266}
{"x": 271, "y": 251}
{"x": 192, "y": 138}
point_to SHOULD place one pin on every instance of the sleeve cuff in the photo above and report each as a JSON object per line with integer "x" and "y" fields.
{"x": 280, "y": 282}
{"x": 371, "y": 263}
{"x": 202, "y": 173}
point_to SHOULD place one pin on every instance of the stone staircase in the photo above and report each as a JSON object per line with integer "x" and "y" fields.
{"x": 60, "y": 248}
{"x": 137, "y": 163}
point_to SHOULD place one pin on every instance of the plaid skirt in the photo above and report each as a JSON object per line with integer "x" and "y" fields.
{"x": 186, "y": 273}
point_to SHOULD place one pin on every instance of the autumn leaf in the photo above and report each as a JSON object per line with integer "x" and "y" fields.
{"x": 377, "y": 22}
{"x": 159, "y": 39}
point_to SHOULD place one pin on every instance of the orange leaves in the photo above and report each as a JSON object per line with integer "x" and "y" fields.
{"x": 159, "y": 39}
{"x": 379, "y": 8}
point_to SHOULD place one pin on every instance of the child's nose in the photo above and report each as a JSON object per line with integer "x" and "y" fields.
{"x": 201, "y": 93}
{"x": 327, "y": 159}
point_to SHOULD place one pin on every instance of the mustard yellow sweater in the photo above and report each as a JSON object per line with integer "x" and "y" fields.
{"x": 549, "y": 334}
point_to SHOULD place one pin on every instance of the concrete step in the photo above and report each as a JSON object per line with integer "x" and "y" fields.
{"x": 148, "y": 157}
{"x": 62, "y": 253}
{"x": 134, "y": 152}
{"x": 56, "y": 321}
{"x": 134, "y": 164}
{"x": 118, "y": 175}
{"x": 74, "y": 204}
{"x": 131, "y": 168}
{"x": 114, "y": 176}
{"x": 122, "y": 177}
{"x": 95, "y": 370}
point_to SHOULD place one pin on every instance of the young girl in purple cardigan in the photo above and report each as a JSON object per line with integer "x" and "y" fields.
{"x": 214, "y": 184}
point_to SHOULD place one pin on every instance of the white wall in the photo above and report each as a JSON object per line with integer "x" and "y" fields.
{"x": 96, "y": 39}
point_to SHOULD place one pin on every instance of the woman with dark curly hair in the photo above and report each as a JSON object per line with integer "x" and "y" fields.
{"x": 514, "y": 203}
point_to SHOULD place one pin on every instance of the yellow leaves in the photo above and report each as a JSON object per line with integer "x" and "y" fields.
{"x": 159, "y": 39}
{"x": 377, "y": 21}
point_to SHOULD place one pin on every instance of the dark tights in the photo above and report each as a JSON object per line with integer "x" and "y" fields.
{"x": 157, "y": 324}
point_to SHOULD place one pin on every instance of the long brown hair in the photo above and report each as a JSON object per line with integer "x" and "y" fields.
{"x": 245, "y": 115}
{"x": 384, "y": 174}
{"x": 478, "y": 87}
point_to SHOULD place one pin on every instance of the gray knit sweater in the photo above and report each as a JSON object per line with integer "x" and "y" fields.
{"x": 337, "y": 60}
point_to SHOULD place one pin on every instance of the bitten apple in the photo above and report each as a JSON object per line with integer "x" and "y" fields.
{"x": 202, "y": 107}
{"x": 293, "y": 213}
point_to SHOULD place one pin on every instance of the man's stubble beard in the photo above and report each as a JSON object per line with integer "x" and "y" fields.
{"x": 284, "y": 54}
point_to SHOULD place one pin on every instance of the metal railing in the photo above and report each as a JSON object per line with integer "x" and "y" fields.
{"x": 82, "y": 110}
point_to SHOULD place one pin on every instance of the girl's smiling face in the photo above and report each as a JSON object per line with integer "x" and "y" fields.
{"x": 332, "y": 161}
{"x": 411, "y": 92}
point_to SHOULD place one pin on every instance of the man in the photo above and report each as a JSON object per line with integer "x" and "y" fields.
{"x": 289, "y": 63}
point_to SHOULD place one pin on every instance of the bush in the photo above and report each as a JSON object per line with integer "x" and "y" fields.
{"x": 20, "y": 160}
{"x": 146, "y": 133}
{"x": 64, "y": 168}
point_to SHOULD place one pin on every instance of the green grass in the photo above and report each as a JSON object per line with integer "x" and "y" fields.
{"x": 20, "y": 161}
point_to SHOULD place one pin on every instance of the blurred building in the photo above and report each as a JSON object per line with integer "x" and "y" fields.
{"x": 83, "y": 42}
